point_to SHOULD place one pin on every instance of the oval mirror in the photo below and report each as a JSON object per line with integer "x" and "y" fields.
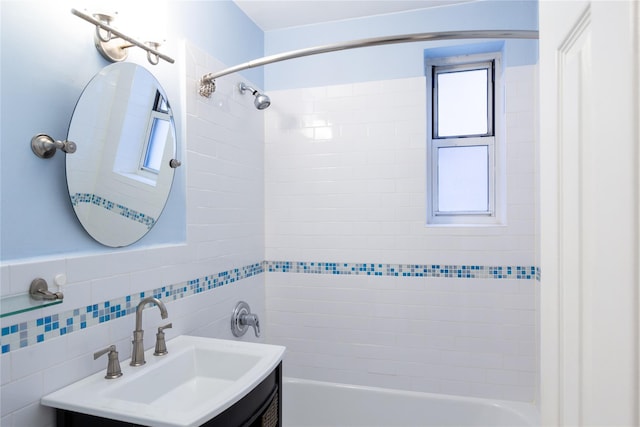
{"x": 120, "y": 176}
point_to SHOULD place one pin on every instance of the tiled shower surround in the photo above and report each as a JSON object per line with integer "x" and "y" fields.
{"x": 449, "y": 310}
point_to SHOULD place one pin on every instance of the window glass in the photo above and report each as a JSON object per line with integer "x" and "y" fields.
{"x": 161, "y": 104}
{"x": 463, "y": 179}
{"x": 155, "y": 147}
{"x": 462, "y": 102}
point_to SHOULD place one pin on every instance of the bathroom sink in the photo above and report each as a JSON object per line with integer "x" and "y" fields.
{"x": 197, "y": 380}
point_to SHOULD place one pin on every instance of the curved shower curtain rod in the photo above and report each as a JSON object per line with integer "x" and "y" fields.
{"x": 208, "y": 85}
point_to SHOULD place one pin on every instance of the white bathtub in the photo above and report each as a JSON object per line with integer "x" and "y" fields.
{"x": 321, "y": 404}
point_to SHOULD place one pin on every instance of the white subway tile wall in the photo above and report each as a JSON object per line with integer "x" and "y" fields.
{"x": 447, "y": 335}
{"x": 345, "y": 184}
{"x": 222, "y": 152}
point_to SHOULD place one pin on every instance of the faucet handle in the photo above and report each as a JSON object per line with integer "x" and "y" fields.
{"x": 113, "y": 365}
{"x": 242, "y": 318}
{"x": 161, "y": 344}
{"x": 251, "y": 320}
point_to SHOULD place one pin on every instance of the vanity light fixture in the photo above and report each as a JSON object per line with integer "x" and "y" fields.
{"x": 113, "y": 44}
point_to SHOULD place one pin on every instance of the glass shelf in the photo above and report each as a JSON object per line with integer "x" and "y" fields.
{"x": 16, "y": 304}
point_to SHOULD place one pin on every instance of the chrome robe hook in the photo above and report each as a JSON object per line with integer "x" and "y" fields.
{"x": 39, "y": 291}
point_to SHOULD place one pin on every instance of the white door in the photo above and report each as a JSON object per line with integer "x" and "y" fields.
{"x": 590, "y": 194}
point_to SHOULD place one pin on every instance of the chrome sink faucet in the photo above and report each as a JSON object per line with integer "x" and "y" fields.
{"x": 137, "y": 355}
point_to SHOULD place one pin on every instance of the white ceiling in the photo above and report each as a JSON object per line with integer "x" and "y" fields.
{"x": 277, "y": 14}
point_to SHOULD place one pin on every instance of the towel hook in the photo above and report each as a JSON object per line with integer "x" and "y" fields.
{"x": 39, "y": 290}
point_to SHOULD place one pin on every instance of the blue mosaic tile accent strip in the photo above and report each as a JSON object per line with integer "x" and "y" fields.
{"x": 406, "y": 270}
{"x": 122, "y": 210}
{"x": 35, "y": 331}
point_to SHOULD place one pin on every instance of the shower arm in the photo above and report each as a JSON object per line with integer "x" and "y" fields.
{"x": 207, "y": 82}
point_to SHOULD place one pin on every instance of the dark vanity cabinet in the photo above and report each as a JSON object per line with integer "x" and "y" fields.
{"x": 261, "y": 407}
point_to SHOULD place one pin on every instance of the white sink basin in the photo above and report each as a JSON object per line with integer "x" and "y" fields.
{"x": 197, "y": 380}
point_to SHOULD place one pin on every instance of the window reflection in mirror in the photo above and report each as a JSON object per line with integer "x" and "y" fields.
{"x": 159, "y": 126}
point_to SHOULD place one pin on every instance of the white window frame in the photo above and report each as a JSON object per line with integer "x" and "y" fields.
{"x": 493, "y": 140}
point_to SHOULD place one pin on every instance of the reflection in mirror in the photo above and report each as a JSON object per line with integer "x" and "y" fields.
{"x": 119, "y": 178}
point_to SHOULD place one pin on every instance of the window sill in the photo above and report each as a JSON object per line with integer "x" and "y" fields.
{"x": 465, "y": 225}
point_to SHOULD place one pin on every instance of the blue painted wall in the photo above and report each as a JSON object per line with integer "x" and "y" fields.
{"x": 47, "y": 57}
{"x": 394, "y": 61}
{"x": 222, "y": 29}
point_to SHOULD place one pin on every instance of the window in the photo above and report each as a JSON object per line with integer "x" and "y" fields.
{"x": 155, "y": 145}
{"x": 157, "y": 134}
{"x": 462, "y": 140}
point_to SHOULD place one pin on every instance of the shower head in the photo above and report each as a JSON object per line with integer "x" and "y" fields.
{"x": 261, "y": 102}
